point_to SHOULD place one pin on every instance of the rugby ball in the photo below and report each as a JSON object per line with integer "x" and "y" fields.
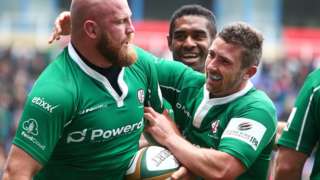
{"x": 152, "y": 163}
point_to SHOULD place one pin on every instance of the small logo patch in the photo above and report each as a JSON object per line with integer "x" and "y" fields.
{"x": 246, "y": 130}
{"x": 244, "y": 126}
{"x": 214, "y": 126}
{"x": 41, "y": 102}
{"x": 31, "y": 126}
{"x": 140, "y": 95}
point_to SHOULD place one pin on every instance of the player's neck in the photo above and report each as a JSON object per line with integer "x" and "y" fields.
{"x": 88, "y": 51}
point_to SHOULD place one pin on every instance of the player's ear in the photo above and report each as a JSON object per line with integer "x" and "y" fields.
{"x": 169, "y": 41}
{"x": 250, "y": 71}
{"x": 91, "y": 29}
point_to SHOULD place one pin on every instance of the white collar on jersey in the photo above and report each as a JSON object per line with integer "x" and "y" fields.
{"x": 226, "y": 99}
{"x": 207, "y": 103}
{"x": 97, "y": 76}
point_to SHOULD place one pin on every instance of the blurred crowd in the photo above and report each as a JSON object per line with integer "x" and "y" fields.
{"x": 18, "y": 72}
{"x": 281, "y": 79}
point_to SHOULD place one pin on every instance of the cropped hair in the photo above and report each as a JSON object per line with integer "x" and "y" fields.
{"x": 250, "y": 39}
{"x": 194, "y": 10}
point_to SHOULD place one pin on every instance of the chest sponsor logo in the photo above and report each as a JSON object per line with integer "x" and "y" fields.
{"x": 30, "y": 128}
{"x": 43, "y": 104}
{"x": 245, "y": 130}
{"x": 98, "y": 135}
{"x": 140, "y": 95}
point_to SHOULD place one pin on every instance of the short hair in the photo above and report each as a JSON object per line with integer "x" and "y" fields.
{"x": 250, "y": 39}
{"x": 194, "y": 10}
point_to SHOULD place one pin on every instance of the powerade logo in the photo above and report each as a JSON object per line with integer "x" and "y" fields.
{"x": 43, "y": 104}
{"x": 102, "y": 134}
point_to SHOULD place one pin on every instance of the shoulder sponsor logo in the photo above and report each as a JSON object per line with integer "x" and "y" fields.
{"x": 246, "y": 130}
{"x": 98, "y": 135}
{"x": 31, "y": 126}
{"x": 141, "y": 96}
{"x": 43, "y": 104}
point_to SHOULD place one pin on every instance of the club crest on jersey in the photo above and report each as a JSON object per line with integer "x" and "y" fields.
{"x": 214, "y": 126}
{"x": 31, "y": 126}
{"x": 140, "y": 95}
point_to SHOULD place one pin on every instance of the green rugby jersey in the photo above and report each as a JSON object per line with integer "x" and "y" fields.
{"x": 242, "y": 124}
{"x": 77, "y": 126}
{"x": 303, "y": 126}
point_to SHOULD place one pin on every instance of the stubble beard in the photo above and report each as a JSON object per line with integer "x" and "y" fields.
{"x": 118, "y": 56}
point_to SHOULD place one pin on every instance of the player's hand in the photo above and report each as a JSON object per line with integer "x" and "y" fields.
{"x": 62, "y": 26}
{"x": 182, "y": 174}
{"x": 143, "y": 142}
{"x": 160, "y": 126}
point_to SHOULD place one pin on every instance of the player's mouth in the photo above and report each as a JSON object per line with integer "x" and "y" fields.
{"x": 190, "y": 58}
{"x": 214, "y": 77}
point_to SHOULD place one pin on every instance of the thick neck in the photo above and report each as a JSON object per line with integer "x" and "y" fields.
{"x": 87, "y": 49}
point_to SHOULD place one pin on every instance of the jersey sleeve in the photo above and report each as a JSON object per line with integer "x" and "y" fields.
{"x": 47, "y": 110}
{"x": 175, "y": 77}
{"x": 302, "y": 130}
{"x": 249, "y": 132}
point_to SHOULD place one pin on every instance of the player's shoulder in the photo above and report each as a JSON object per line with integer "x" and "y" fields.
{"x": 312, "y": 81}
{"x": 257, "y": 101}
{"x": 51, "y": 91}
{"x": 56, "y": 83}
{"x": 258, "y": 96}
{"x": 61, "y": 72}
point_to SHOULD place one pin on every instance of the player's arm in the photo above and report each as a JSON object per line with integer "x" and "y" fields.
{"x": 20, "y": 165}
{"x": 289, "y": 164}
{"x": 300, "y": 135}
{"x": 174, "y": 77}
{"x": 207, "y": 163}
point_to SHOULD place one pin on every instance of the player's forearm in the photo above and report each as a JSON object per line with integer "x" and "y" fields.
{"x": 289, "y": 164}
{"x": 207, "y": 163}
{"x": 10, "y": 176}
{"x": 285, "y": 171}
{"x": 287, "y": 175}
{"x": 282, "y": 173}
